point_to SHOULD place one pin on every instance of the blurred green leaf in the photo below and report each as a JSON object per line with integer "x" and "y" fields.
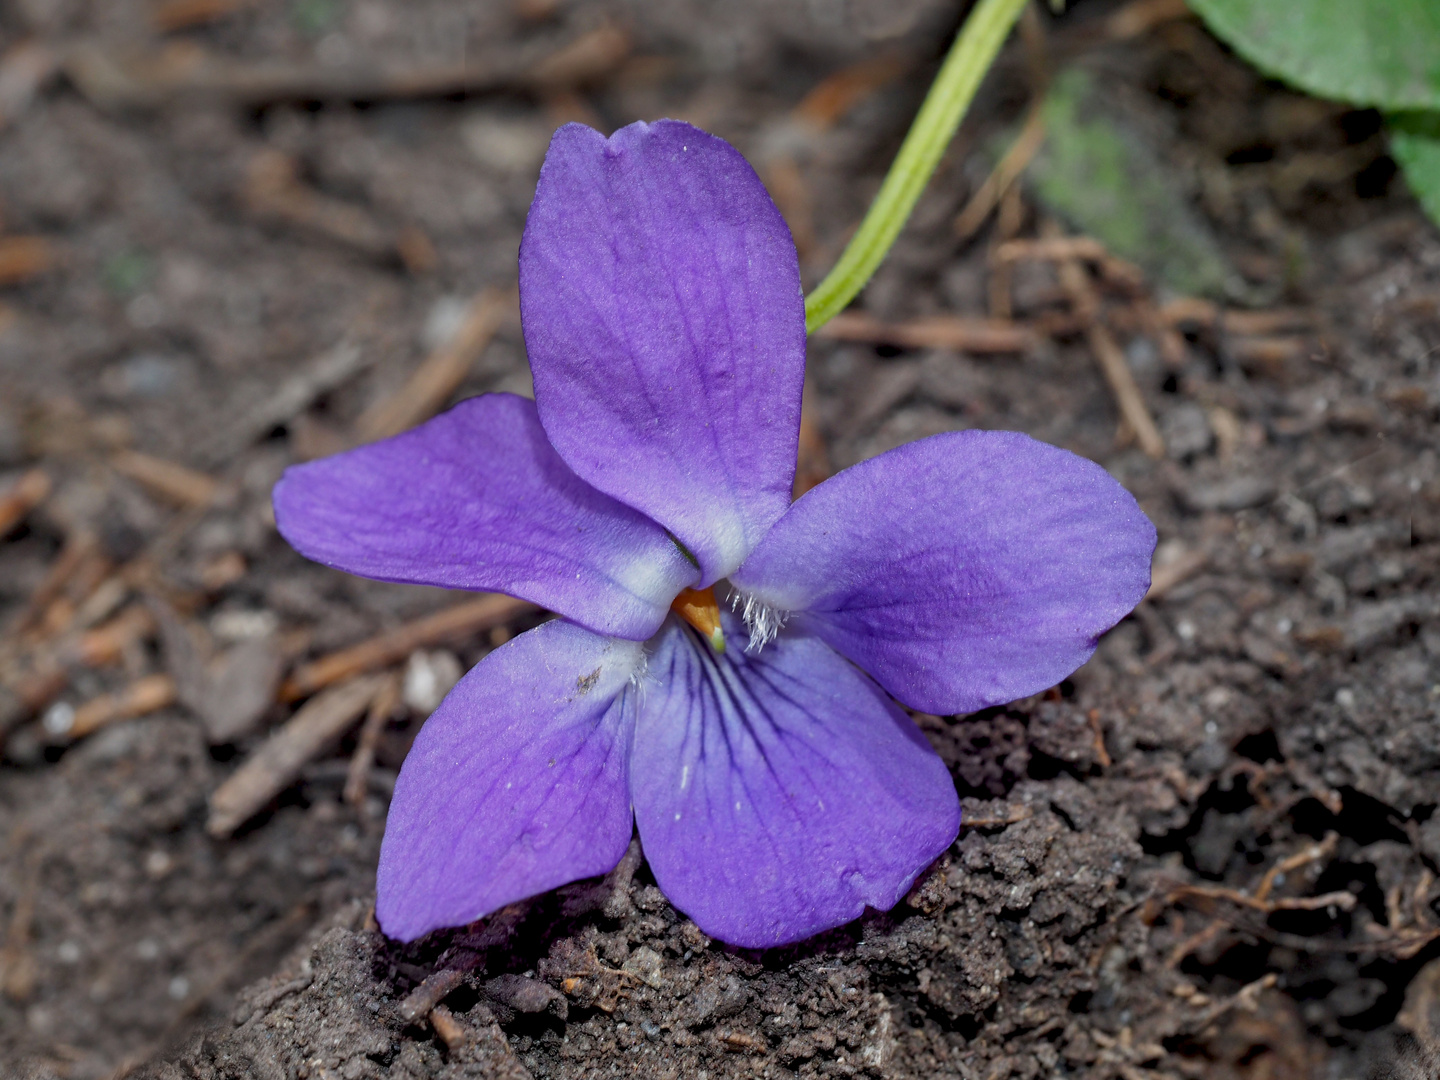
{"x": 313, "y": 17}
{"x": 1106, "y": 180}
{"x": 1415, "y": 144}
{"x": 127, "y": 272}
{"x": 1383, "y": 53}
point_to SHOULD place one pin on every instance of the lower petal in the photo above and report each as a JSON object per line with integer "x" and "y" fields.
{"x": 516, "y": 784}
{"x": 779, "y": 794}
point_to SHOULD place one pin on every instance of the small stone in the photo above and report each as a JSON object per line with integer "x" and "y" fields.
{"x": 645, "y": 964}
{"x": 429, "y": 676}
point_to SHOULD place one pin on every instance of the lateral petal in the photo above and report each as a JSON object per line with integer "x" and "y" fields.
{"x": 661, "y": 302}
{"x": 963, "y": 570}
{"x": 478, "y": 499}
{"x": 517, "y": 783}
{"x": 779, "y": 794}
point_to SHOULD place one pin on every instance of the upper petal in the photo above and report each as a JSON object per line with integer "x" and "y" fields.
{"x": 516, "y": 784}
{"x": 660, "y": 295}
{"x": 963, "y": 570}
{"x": 779, "y": 794}
{"x": 478, "y": 499}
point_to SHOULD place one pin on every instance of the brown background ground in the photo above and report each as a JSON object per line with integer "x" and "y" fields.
{"x": 179, "y": 236}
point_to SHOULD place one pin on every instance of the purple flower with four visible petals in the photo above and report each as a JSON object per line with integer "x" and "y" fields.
{"x": 777, "y": 786}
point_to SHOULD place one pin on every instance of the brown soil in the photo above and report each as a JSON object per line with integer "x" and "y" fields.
{"x": 1107, "y": 910}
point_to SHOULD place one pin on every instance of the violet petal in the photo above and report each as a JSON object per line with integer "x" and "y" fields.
{"x": 478, "y": 499}
{"x": 778, "y": 794}
{"x": 517, "y": 783}
{"x": 660, "y": 296}
{"x": 963, "y": 570}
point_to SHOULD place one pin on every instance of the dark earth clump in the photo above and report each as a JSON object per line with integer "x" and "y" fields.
{"x": 1212, "y": 852}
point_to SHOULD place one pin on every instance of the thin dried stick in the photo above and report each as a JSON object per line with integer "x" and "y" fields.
{"x": 114, "y": 80}
{"x": 106, "y": 643}
{"x": 140, "y": 698}
{"x": 26, "y": 691}
{"x": 274, "y": 191}
{"x": 1345, "y": 901}
{"x": 1194, "y": 943}
{"x": 1022, "y": 814}
{"x": 1259, "y": 900}
{"x": 1314, "y": 853}
{"x": 837, "y": 94}
{"x": 1171, "y": 574}
{"x": 357, "y": 780}
{"x": 1052, "y": 249}
{"x": 24, "y": 69}
{"x": 171, "y": 15}
{"x": 1102, "y": 755}
{"x": 279, "y": 760}
{"x": 420, "y": 1002}
{"x": 80, "y": 548}
{"x": 466, "y": 618}
{"x": 170, "y": 480}
{"x": 792, "y": 196}
{"x": 430, "y": 387}
{"x": 813, "y": 466}
{"x": 1008, "y": 170}
{"x": 328, "y": 371}
{"x": 27, "y": 493}
{"x": 1111, "y": 359}
{"x": 1141, "y": 16}
{"x": 24, "y": 257}
{"x": 933, "y": 332}
{"x": 18, "y": 968}
{"x": 1204, "y": 314}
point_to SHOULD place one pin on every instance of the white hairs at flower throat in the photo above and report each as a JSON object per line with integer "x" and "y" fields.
{"x": 762, "y": 620}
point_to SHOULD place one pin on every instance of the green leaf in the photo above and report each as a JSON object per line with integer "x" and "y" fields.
{"x": 1107, "y": 180}
{"x": 1415, "y": 144}
{"x": 1384, "y": 53}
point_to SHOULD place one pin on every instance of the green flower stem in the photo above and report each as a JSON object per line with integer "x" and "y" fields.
{"x": 944, "y": 107}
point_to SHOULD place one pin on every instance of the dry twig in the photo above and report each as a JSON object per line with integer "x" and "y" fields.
{"x": 24, "y": 69}
{"x": 420, "y": 1002}
{"x": 837, "y": 94}
{"x": 357, "y": 780}
{"x": 25, "y": 495}
{"x": 274, "y": 191}
{"x": 1102, "y": 755}
{"x": 933, "y": 332}
{"x": 279, "y": 760}
{"x": 1111, "y": 359}
{"x": 1205, "y": 314}
{"x": 27, "y": 688}
{"x": 1258, "y": 900}
{"x": 1014, "y": 817}
{"x": 813, "y": 466}
{"x": 24, "y": 257}
{"x": 468, "y": 617}
{"x": 168, "y": 479}
{"x": 1141, "y": 16}
{"x": 79, "y": 555}
{"x": 171, "y": 15}
{"x": 1006, "y": 172}
{"x": 140, "y": 698}
{"x": 1183, "y": 567}
{"x": 325, "y": 373}
{"x": 430, "y": 387}
{"x": 183, "y": 71}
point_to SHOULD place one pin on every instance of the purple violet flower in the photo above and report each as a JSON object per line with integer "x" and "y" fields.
{"x": 777, "y": 786}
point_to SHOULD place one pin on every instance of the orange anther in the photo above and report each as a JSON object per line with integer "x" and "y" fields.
{"x": 699, "y": 609}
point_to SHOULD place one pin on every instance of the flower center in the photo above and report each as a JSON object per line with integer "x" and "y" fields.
{"x": 699, "y": 609}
